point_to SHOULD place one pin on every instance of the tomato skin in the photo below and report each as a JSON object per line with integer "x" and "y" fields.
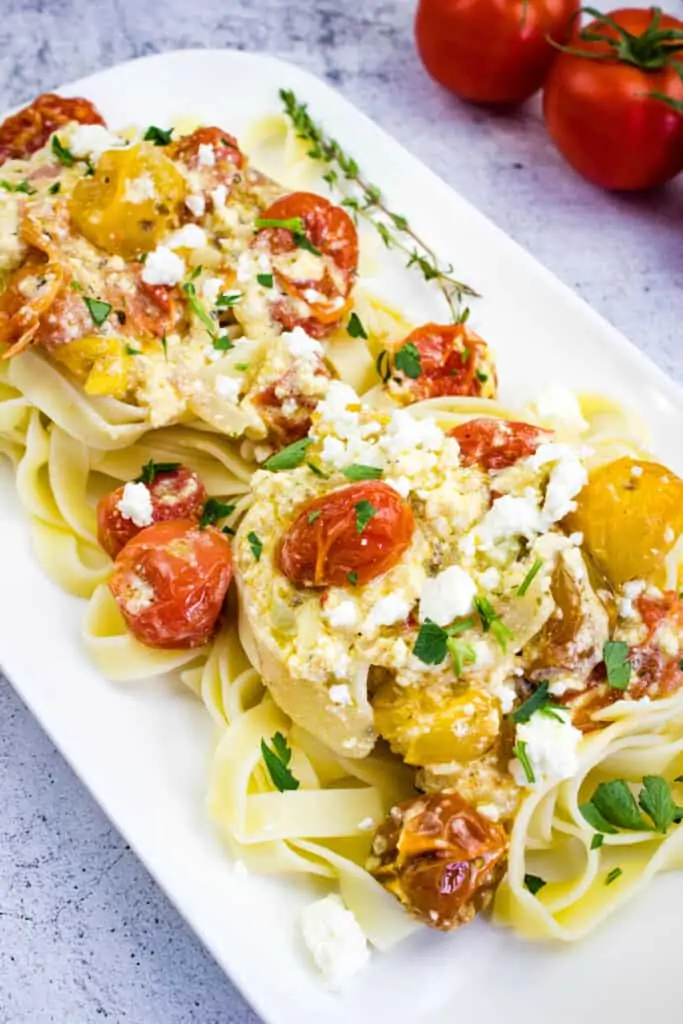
{"x": 454, "y": 361}
{"x": 330, "y": 230}
{"x": 226, "y": 149}
{"x": 323, "y": 552}
{"x": 177, "y": 494}
{"x": 603, "y": 119}
{"x": 491, "y": 51}
{"x": 170, "y": 583}
{"x": 29, "y": 129}
{"x": 496, "y": 444}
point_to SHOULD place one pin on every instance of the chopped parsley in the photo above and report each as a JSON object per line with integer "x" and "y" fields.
{"x": 530, "y": 577}
{"x": 613, "y": 806}
{"x": 222, "y": 343}
{"x": 534, "y": 884}
{"x": 159, "y": 136}
{"x": 431, "y": 645}
{"x": 294, "y": 224}
{"x": 407, "y": 359}
{"x": 164, "y": 345}
{"x": 383, "y": 366}
{"x": 357, "y": 471}
{"x": 656, "y": 801}
{"x": 462, "y": 654}
{"x": 313, "y": 515}
{"x": 317, "y": 470}
{"x": 227, "y": 299}
{"x": 519, "y": 750}
{"x": 54, "y": 189}
{"x": 352, "y": 577}
{"x": 304, "y": 243}
{"x": 491, "y": 623}
{"x": 75, "y": 286}
{"x": 99, "y": 311}
{"x": 242, "y": 367}
{"x": 597, "y": 841}
{"x": 290, "y": 457}
{"x": 355, "y": 328}
{"x": 538, "y": 701}
{"x": 615, "y": 654}
{"x": 277, "y": 758}
{"x": 213, "y": 511}
{"x": 130, "y": 351}
{"x": 365, "y": 511}
{"x": 200, "y": 312}
{"x": 613, "y": 875}
{"x": 149, "y": 471}
{"x": 481, "y": 376}
{"x": 22, "y": 186}
{"x": 256, "y": 545}
{"x": 265, "y": 280}
{"x": 64, "y": 155}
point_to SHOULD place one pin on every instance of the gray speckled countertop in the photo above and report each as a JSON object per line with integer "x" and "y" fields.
{"x": 85, "y": 934}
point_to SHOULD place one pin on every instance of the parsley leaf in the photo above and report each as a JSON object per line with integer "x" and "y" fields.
{"x": 276, "y": 760}
{"x": 613, "y": 875}
{"x": 256, "y": 545}
{"x": 265, "y": 280}
{"x": 365, "y": 511}
{"x": 408, "y": 360}
{"x": 519, "y": 750}
{"x": 352, "y": 577}
{"x": 222, "y": 343}
{"x": 227, "y": 299}
{"x": 597, "y": 841}
{"x": 214, "y": 510}
{"x": 617, "y": 805}
{"x": 481, "y": 376}
{"x": 159, "y": 136}
{"x": 617, "y": 664}
{"x": 656, "y": 800}
{"x": 530, "y": 577}
{"x": 64, "y": 155}
{"x": 462, "y": 654}
{"x": 357, "y": 471}
{"x": 164, "y": 345}
{"x": 22, "y": 186}
{"x": 317, "y": 470}
{"x": 294, "y": 224}
{"x": 99, "y": 311}
{"x": 383, "y": 366}
{"x": 54, "y": 189}
{"x": 149, "y": 471}
{"x": 313, "y": 515}
{"x": 537, "y": 700}
{"x": 534, "y": 884}
{"x": 305, "y": 243}
{"x": 290, "y": 457}
{"x": 199, "y": 311}
{"x": 130, "y": 351}
{"x": 431, "y": 644}
{"x": 355, "y": 328}
{"x": 592, "y": 815}
{"x": 490, "y": 622}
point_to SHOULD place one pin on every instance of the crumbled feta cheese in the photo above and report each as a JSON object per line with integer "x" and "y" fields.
{"x": 551, "y": 746}
{"x": 340, "y": 694}
{"x": 633, "y": 588}
{"x": 140, "y": 595}
{"x": 163, "y": 267}
{"x": 211, "y": 289}
{"x": 207, "y": 156}
{"x": 447, "y": 596}
{"x": 567, "y": 478}
{"x": 313, "y": 296}
{"x": 404, "y": 433}
{"x": 556, "y": 405}
{"x": 136, "y": 504}
{"x": 138, "y": 190}
{"x": 489, "y": 811}
{"x": 191, "y": 236}
{"x": 196, "y": 204}
{"x": 301, "y": 345}
{"x": 345, "y": 614}
{"x": 92, "y": 140}
{"x": 576, "y": 538}
{"x": 489, "y": 579}
{"x": 509, "y": 516}
{"x": 249, "y": 265}
{"x": 401, "y": 484}
{"x": 626, "y": 609}
{"x": 228, "y": 387}
{"x": 389, "y": 610}
{"x": 335, "y": 939}
{"x": 218, "y": 196}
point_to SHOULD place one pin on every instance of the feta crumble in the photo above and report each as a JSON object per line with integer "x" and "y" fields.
{"x": 136, "y": 504}
{"x": 335, "y": 939}
{"x": 551, "y": 746}
{"x": 206, "y": 156}
{"x": 389, "y": 610}
{"x": 91, "y": 141}
{"x": 228, "y": 387}
{"x": 140, "y": 189}
{"x": 340, "y": 694}
{"x": 191, "y": 236}
{"x": 163, "y": 267}
{"x": 447, "y": 596}
{"x": 558, "y": 406}
{"x": 196, "y": 204}
{"x": 345, "y": 614}
{"x": 301, "y": 346}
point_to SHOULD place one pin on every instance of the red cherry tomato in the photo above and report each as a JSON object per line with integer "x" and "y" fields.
{"x": 495, "y": 444}
{"x": 452, "y": 361}
{"x": 654, "y": 610}
{"x": 619, "y": 122}
{"x": 170, "y": 583}
{"x": 330, "y": 230}
{"x": 175, "y": 494}
{"x": 362, "y": 529}
{"x": 29, "y": 129}
{"x": 491, "y": 51}
{"x": 226, "y": 151}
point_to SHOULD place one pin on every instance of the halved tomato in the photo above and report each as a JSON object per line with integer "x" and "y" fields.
{"x": 496, "y": 444}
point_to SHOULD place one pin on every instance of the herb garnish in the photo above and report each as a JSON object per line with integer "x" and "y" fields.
{"x": 149, "y": 471}
{"x": 393, "y": 228}
{"x": 538, "y": 701}
{"x": 130, "y": 351}
{"x": 615, "y": 654}
{"x": 613, "y": 875}
{"x": 597, "y": 841}
{"x": 199, "y": 311}
{"x": 256, "y": 545}
{"x": 490, "y": 622}
{"x": 519, "y": 750}
{"x": 164, "y": 345}
{"x": 357, "y": 471}
{"x": 355, "y": 328}
{"x": 294, "y": 224}
{"x": 222, "y": 343}
{"x": 313, "y": 515}
{"x": 277, "y": 760}
{"x": 54, "y": 189}
{"x": 64, "y": 155}
{"x": 408, "y": 360}
{"x": 365, "y": 511}
{"x": 352, "y": 577}
{"x": 530, "y": 577}
{"x": 613, "y": 806}
{"x": 99, "y": 311}
{"x": 462, "y": 654}
{"x": 317, "y": 470}
{"x": 159, "y": 136}
{"x": 534, "y": 884}
{"x": 213, "y": 511}
{"x": 481, "y": 376}
{"x": 431, "y": 644}
{"x": 22, "y": 186}
{"x": 227, "y": 299}
{"x": 265, "y": 280}
{"x": 290, "y": 457}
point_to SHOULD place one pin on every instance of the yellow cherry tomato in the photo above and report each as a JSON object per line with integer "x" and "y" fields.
{"x": 631, "y": 515}
{"x": 130, "y": 202}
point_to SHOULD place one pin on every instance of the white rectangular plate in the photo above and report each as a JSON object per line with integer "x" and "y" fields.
{"x": 142, "y": 749}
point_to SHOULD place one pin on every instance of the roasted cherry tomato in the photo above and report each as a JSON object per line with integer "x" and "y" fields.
{"x": 655, "y": 610}
{"x": 613, "y": 103}
{"x": 28, "y": 130}
{"x": 170, "y": 583}
{"x": 174, "y": 494}
{"x": 441, "y": 858}
{"x": 323, "y": 281}
{"x": 227, "y": 155}
{"x": 444, "y": 359}
{"x": 346, "y": 537}
{"x": 496, "y": 444}
{"x": 491, "y": 51}
{"x": 630, "y": 514}
{"x": 30, "y": 294}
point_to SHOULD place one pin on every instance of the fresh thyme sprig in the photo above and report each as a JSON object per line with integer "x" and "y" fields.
{"x": 393, "y": 228}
